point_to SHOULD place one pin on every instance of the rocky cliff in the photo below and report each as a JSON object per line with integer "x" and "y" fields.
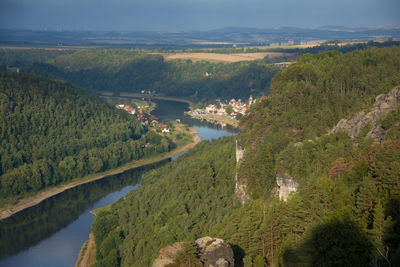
{"x": 286, "y": 185}
{"x": 384, "y": 104}
{"x": 213, "y": 252}
{"x": 240, "y": 184}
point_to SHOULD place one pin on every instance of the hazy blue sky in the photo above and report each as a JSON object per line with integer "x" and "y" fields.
{"x": 183, "y": 15}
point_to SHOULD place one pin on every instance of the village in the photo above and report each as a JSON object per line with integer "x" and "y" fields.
{"x": 223, "y": 112}
{"x": 145, "y": 119}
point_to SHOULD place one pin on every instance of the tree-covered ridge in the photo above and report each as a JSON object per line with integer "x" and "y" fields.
{"x": 52, "y": 132}
{"x": 26, "y": 56}
{"x": 106, "y": 59}
{"x": 180, "y": 201}
{"x": 135, "y": 70}
{"x": 345, "y": 211}
{"x": 307, "y": 100}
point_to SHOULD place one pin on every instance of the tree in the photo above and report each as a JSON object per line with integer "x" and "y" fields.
{"x": 229, "y": 109}
{"x": 339, "y": 243}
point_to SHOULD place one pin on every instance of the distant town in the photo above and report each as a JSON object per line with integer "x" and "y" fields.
{"x": 224, "y": 112}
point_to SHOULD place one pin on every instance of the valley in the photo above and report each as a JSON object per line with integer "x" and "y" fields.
{"x": 308, "y": 171}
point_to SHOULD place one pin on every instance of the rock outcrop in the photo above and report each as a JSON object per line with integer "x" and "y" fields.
{"x": 384, "y": 104}
{"x": 168, "y": 254}
{"x": 213, "y": 252}
{"x": 240, "y": 185}
{"x": 286, "y": 185}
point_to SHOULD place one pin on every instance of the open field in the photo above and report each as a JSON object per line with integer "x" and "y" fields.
{"x": 228, "y": 58}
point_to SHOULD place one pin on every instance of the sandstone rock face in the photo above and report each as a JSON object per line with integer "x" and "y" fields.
{"x": 286, "y": 184}
{"x": 214, "y": 252}
{"x": 383, "y": 105}
{"x": 239, "y": 151}
{"x": 240, "y": 185}
{"x": 168, "y": 254}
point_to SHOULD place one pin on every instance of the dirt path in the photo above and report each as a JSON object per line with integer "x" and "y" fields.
{"x": 28, "y": 202}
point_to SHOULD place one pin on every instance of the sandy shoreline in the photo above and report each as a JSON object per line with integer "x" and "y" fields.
{"x": 9, "y": 210}
{"x": 87, "y": 253}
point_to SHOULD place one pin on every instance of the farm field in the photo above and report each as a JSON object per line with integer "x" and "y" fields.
{"x": 228, "y": 58}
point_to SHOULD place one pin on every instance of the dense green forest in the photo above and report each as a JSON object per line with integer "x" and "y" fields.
{"x": 343, "y": 182}
{"x": 345, "y": 211}
{"x": 133, "y": 71}
{"x": 22, "y": 57}
{"x": 307, "y": 100}
{"x": 118, "y": 70}
{"x": 52, "y": 132}
{"x": 179, "y": 201}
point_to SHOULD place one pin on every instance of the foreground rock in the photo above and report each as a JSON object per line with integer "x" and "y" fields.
{"x": 213, "y": 252}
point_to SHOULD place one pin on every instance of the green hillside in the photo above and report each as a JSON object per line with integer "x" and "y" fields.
{"x": 179, "y": 201}
{"x": 346, "y": 208}
{"x": 52, "y": 132}
{"x": 131, "y": 71}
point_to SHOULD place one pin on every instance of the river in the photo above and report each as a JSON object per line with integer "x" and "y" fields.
{"x": 51, "y": 233}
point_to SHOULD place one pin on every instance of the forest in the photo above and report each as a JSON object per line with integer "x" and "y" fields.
{"x": 134, "y": 70}
{"x": 345, "y": 211}
{"x": 117, "y": 70}
{"x": 179, "y": 201}
{"x": 52, "y": 132}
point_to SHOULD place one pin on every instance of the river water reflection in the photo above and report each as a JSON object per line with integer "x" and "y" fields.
{"x": 51, "y": 233}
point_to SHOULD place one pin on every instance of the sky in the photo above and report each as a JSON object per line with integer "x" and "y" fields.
{"x": 188, "y": 15}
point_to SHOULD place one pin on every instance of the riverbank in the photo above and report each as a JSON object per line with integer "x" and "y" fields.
{"x": 87, "y": 253}
{"x": 219, "y": 119}
{"x": 9, "y": 210}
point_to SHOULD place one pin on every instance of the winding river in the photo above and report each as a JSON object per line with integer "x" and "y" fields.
{"x": 51, "y": 233}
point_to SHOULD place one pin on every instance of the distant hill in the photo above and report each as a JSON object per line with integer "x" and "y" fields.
{"x": 117, "y": 70}
{"x": 225, "y": 37}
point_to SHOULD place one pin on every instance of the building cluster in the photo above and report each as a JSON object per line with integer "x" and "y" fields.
{"x": 238, "y": 107}
{"x": 145, "y": 119}
{"x": 127, "y": 108}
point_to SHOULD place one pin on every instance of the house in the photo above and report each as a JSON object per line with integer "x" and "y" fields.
{"x": 164, "y": 128}
{"x": 211, "y": 108}
{"x": 129, "y": 109}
